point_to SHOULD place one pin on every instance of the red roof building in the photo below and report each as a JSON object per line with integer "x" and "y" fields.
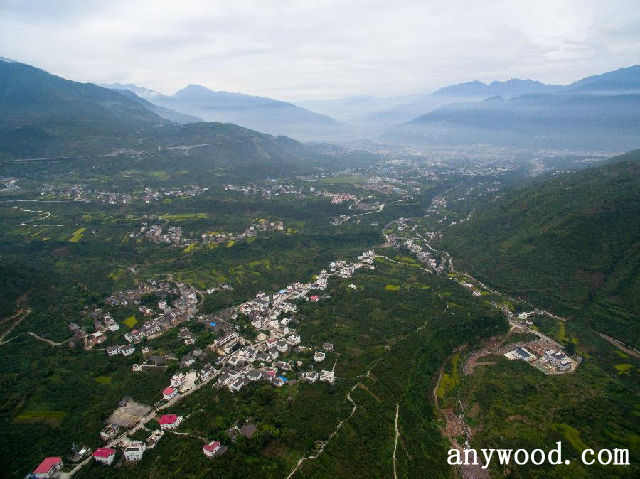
{"x": 104, "y": 455}
{"x": 314, "y": 299}
{"x": 169, "y": 421}
{"x": 48, "y": 467}
{"x": 168, "y": 393}
{"x": 211, "y": 448}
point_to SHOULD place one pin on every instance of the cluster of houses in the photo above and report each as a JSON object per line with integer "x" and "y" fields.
{"x": 385, "y": 185}
{"x": 125, "y": 350}
{"x": 240, "y": 360}
{"x": 278, "y": 189}
{"x": 243, "y": 361}
{"x": 83, "y": 194}
{"x": 174, "y": 235}
{"x": 337, "y": 198}
{"x": 157, "y": 234}
{"x": 424, "y": 255}
{"x": 550, "y": 361}
{"x": 267, "y": 192}
{"x": 250, "y": 231}
{"x": 169, "y": 314}
{"x": 157, "y": 194}
{"x": 133, "y": 451}
{"x": 8, "y": 184}
{"x": 102, "y": 324}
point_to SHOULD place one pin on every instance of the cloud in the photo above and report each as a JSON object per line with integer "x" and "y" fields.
{"x": 320, "y": 49}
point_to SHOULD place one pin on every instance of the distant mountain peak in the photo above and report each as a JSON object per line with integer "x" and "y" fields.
{"x": 509, "y": 88}
{"x": 516, "y": 81}
{"x": 140, "y": 91}
{"x": 194, "y": 88}
{"x": 194, "y": 92}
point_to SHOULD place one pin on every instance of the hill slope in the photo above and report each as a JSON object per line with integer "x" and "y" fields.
{"x": 571, "y": 243}
{"x": 623, "y": 80}
{"x": 44, "y": 114}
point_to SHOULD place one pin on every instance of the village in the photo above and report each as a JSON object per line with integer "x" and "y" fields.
{"x": 82, "y": 193}
{"x": 235, "y": 360}
{"x": 8, "y": 184}
{"x": 174, "y": 235}
{"x": 278, "y": 189}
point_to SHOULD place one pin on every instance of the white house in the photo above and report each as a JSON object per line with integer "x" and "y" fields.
{"x": 134, "y": 451}
{"x": 113, "y": 350}
{"x": 327, "y": 376}
{"x": 318, "y": 356}
{"x": 127, "y": 350}
{"x": 310, "y": 376}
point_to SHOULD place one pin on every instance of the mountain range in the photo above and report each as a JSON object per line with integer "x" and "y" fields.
{"x": 600, "y": 112}
{"x": 383, "y": 112}
{"x": 43, "y": 115}
{"x": 258, "y": 113}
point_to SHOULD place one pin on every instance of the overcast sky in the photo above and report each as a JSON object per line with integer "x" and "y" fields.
{"x": 295, "y": 50}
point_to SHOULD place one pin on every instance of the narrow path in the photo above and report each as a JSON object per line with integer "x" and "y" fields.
{"x": 331, "y": 436}
{"x": 395, "y": 442}
{"x": 17, "y": 319}
{"x": 188, "y": 434}
{"x": 355, "y": 406}
{"x": 31, "y": 222}
{"x": 621, "y": 346}
{"x": 48, "y": 341}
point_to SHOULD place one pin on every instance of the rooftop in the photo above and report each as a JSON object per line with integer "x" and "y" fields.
{"x": 168, "y": 419}
{"x": 103, "y": 452}
{"x": 46, "y": 465}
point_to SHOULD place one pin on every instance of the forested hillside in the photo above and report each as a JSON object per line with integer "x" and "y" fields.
{"x": 571, "y": 243}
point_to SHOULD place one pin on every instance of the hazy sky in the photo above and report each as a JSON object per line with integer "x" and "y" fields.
{"x": 296, "y": 50}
